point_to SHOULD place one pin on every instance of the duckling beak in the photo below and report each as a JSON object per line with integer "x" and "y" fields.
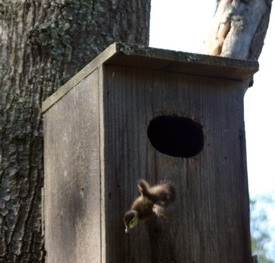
{"x": 127, "y": 229}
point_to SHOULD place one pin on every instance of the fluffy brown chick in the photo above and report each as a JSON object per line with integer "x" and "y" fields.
{"x": 152, "y": 201}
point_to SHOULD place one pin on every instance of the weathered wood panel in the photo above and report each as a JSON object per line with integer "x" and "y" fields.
{"x": 96, "y": 148}
{"x": 72, "y": 176}
{"x": 135, "y": 56}
{"x": 209, "y": 221}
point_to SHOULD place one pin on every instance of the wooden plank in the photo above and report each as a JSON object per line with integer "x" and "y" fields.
{"x": 80, "y": 76}
{"x": 182, "y": 62}
{"x": 72, "y": 176}
{"x": 209, "y": 222}
{"x": 103, "y": 196}
{"x": 160, "y": 59}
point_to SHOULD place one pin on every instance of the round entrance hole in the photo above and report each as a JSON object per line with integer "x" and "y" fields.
{"x": 176, "y": 136}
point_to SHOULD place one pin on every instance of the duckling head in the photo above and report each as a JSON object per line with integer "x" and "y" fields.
{"x": 130, "y": 220}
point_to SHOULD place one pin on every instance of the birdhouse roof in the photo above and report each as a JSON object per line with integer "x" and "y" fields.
{"x": 164, "y": 60}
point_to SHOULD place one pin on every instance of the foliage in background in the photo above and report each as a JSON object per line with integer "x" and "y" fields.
{"x": 260, "y": 229}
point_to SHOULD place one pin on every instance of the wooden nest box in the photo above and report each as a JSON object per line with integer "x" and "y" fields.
{"x": 138, "y": 112}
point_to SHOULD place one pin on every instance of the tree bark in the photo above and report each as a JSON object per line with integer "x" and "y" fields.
{"x": 239, "y": 29}
{"x": 42, "y": 45}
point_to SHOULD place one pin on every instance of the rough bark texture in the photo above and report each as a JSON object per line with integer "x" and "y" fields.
{"x": 239, "y": 29}
{"x": 43, "y": 44}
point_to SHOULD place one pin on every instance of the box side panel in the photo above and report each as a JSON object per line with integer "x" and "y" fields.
{"x": 103, "y": 197}
{"x": 209, "y": 221}
{"x": 72, "y": 176}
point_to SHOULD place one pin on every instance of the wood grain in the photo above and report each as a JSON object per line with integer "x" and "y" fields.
{"x": 209, "y": 221}
{"x": 136, "y": 56}
{"x": 72, "y": 176}
{"x": 96, "y": 148}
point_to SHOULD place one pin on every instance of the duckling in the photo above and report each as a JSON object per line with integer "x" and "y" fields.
{"x": 152, "y": 201}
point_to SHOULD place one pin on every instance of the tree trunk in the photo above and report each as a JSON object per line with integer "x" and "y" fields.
{"x": 239, "y": 29}
{"x": 43, "y": 44}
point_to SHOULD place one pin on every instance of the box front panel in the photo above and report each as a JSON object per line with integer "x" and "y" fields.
{"x": 209, "y": 221}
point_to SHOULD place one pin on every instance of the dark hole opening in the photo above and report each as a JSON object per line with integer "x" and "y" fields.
{"x": 176, "y": 136}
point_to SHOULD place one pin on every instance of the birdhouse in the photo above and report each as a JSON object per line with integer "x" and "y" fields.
{"x": 138, "y": 112}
